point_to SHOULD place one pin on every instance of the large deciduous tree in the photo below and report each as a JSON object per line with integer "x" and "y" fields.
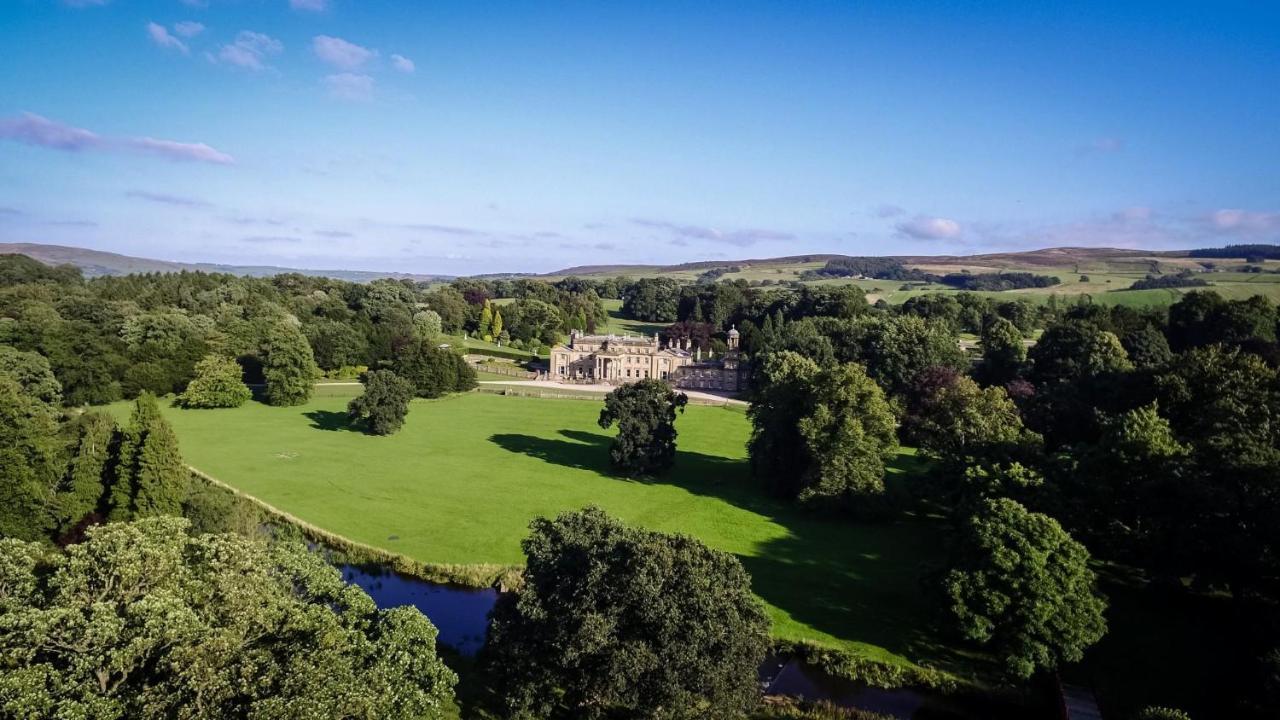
{"x": 218, "y": 384}
{"x": 144, "y": 620}
{"x": 1003, "y": 352}
{"x": 434, "y": 371}
{"x": 621, "y": 622}
{"x": 821, "y": 436}
{"x": 850, "y": 433}
{"x": 1022, "y": 587}
{"x": 645, "y": 413}
{"x": 289, "y": 367}
{"x": 30, "y": 463}
{"x": 384, "y": 404}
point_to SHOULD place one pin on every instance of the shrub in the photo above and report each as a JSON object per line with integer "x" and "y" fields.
{"x": 217, "y": 384}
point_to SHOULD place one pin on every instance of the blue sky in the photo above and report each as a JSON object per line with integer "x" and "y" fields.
{"x": 484, "y": 137}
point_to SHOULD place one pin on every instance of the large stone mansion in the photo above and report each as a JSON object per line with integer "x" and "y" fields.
{"x": 618, "y": 359}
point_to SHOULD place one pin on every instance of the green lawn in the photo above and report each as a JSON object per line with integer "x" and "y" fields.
{"x": 462, "y": 480}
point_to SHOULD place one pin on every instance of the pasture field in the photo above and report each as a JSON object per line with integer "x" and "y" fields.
{"x": 463, "y": 479}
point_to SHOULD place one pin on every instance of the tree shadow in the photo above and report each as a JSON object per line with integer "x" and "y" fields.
{"x": 331, "y": 420}
{"x": 860, "y": 581}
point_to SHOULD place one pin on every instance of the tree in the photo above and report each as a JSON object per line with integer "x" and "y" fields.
{"x": 428, "y": 324}
{"x": 652, "y": 300}
{"x": 337, "y": 344}
{"x": 289, "y": 368}
{"x": 217, "y": 384}
{"x": 1003, "y": 352}
{"x": 144, "y": 620}
{"x": 384, "y": 404}
{"x": 434, "y": 371}
{"x": 486, "y": 321}
{"x": 30, "y": 463}
{"x": 91, "y": 469}
{"x": 615, "y": 621}
{"x": 1155, "y": 712}
{"x": 777, "y": 451}
{"x": 1129, "y": 489}
{"x": 1022, "y": 587}
{"x": 850, "y": 433}
{"x": 1147, "y": 347}
{"x": 963, "y": 424}
{"x": 151, "y": 478}
{"x": 897, "y": 348}
{"x": 496, "y": 327}
{"x": 31, "y": 371}
{"x": 645, "y": 412}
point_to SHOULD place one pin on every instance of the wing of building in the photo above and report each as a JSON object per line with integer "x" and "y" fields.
{"x": 617, "y": 359}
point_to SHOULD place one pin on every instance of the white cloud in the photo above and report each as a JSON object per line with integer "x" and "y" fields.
{"x": 160, "y": 36}
{"x": 32, "y": 129}
{"x": 350, "y": 86}
{"x": 250, "y": 50}
{"x": 929, "y": 228}
{"x": 309, "y": 5}
{"x": 188, "y": 29}
{"x": 340, "y": 53}
{"x": 402, "y": 63}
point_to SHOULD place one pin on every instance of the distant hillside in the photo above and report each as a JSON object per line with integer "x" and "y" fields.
{"x": 96, "y": 263}
{"x": 1055, "y": 258}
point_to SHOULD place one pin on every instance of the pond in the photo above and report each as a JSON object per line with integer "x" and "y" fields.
{"x": 460, "y": 614}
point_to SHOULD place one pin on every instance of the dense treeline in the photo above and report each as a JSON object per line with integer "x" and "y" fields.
{"x": 1142, "y": 437}
{"x": 116, "y": 337}
{"x": 996, "y": 282}
{"x": 1253, "y": 253}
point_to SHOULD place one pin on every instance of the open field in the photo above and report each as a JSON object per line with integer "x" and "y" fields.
{"x": 462, "y": 480}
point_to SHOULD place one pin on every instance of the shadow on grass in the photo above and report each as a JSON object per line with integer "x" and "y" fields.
{"x": 856, "y": 581}
{"x": 331, "y": 420}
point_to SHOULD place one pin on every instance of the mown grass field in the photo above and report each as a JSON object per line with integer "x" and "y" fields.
{"x": 463, "y": 479}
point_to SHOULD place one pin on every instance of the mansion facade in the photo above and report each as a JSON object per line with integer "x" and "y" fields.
{"x": 618, "y": 359}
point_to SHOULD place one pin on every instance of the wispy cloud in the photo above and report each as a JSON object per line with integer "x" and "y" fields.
{"x": 197, "y": 152}
{"x": 166, "y": 199}
{"x": 340, "y": 53}
{"x": 333, "y": 233}
{"x": 32, "y": 129}
{"x": 444, "y": 229}
{"x": 188, "y": 29}
{"x": 929, "y": 228}
{"x": 741, "y": 238}
{"x": 885, "y": 210}
{"x": 309, "y": 5}
{"x": 160, "y": 36}
{"x": 403, "y": 64}
{"x": 72, "y": 223}
{"x": 1105, "y": 145}
{"x": 350, "y": 86}
{"x": 270, "y": 239}
{"x": 250, "y": 50}
{"x": 1245, "y": 223}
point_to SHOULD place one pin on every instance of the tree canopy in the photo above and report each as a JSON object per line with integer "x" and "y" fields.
{"x": 143, "y": 620}
{"x": 1022, "y": 587}
{"x": 614, "y": 621}
{"x": 645, "y": 413}
{"x": 384, "y": 404}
